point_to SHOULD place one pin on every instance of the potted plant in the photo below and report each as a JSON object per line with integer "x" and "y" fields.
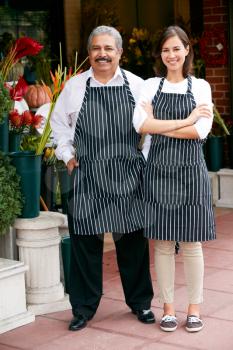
{"x": 229, "y": 138}
{"x": 10, "y": 194}
{"x": 215, "y": 142}
{"x": 5, "y": 106}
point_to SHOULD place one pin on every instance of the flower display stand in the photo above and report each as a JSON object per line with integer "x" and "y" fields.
{"x": 13, "y": 311}
{"x": 38, "y": 241}
{"x": 225, "y": 188}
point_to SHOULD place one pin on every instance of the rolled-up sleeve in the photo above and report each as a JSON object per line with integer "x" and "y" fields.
{"x": 202, "y": 94}
{"x": 147, "y": 93}
{"x": 63, "y": 130}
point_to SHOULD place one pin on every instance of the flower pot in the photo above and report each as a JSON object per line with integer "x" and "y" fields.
{"x": 4, "y": 134}
{"x": 14, "y": 141}
{"x": 28, "y": 167}
{"x": 230, "y": 150}
{"x": 214, "y": 152}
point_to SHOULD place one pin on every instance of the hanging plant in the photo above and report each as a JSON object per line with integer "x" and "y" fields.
{"x": 10, "y": 194}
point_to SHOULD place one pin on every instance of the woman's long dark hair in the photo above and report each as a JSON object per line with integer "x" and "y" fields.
{"x": 169, "y": 32}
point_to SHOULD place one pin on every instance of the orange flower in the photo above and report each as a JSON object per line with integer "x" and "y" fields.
{"x": 15, "y": 119}
{"x": 27, "y": 118}
{"x": 36, "y": 120}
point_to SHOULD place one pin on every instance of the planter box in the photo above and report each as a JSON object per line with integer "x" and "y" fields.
{"x": 225, "y": 177}
{"x": 13, "y": 312}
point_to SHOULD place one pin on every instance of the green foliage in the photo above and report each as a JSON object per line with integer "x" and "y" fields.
{"x": 138, "y": 54}
{"x": 220, "y": 127}
{"x": 30, "y": 142}
{"x": 5, "y": 100}
{"x": 10, "y": 194}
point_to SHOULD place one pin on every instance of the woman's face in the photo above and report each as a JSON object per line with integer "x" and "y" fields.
{"x": 173, "y": 54}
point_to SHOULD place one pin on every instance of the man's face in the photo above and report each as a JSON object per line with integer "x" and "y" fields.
{"x": 103, "y": 54}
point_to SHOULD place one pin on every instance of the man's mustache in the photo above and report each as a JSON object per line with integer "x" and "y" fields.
{"x": 106, "y": 59}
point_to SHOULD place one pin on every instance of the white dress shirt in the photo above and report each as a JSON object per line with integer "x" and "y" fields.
{"x": 66, "y": 111}
{"x": 202, "y": 94}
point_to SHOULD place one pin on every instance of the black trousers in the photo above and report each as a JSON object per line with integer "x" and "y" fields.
{"x": 86, "y": 285}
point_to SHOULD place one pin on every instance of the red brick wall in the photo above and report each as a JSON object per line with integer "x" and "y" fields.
{"x": 216, "y": 17}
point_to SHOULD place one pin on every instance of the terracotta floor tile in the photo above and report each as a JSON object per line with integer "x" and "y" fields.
{"x": 218, "y": 258}
{"x": 216, "y": 335}
{"x": 213, "y": 300}
{"x": 115, "y": 327}
{"x": 42, "y": 331}
{"x": 222, "y": 211}
{"x": 93, "y": 339}
{"x": 60, "y": 316}
{"x": 224, "y": 227}
{"x": 220, "y": 281}
{"x": 5, "y": 347}
{"x": 124, "y": 322}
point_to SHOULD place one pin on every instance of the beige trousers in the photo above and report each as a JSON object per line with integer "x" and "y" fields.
{"x": 193, "y": 267}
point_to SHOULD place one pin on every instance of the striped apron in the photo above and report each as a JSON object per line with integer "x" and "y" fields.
{"x": 176, "y": 184}
{"x": 107, "y": 193}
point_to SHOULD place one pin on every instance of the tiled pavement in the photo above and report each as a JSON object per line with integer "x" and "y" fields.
{"x": 115, "y": 328}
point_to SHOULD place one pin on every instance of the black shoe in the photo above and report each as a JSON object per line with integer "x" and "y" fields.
{"x": 77, "y": 323}
{"x": 145, "y": 316}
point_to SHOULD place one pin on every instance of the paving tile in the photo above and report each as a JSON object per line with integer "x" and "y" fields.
{"x": 224, "y": 216}
{"x": 221, "y": 280}
{"x": 218, "y": 258}
{"x": 221, "y": 243}
{"x": 225, "y": 313}
{"x": 42, "y": 331}
{"x": 152, "y": 345}
{"x": 221, "y": 211}
{"x": 126, "y": 323}
{"x": 93, "y": 339}
{"x": 213, "y": 301}
{"x": 5, "y": 347}
{"x": 224, "y": 227}
{"x": 59, "y": 316}
{"x": 216, "y": 334}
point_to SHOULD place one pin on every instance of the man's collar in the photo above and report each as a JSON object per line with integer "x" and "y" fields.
{"x": 90, "y": 74}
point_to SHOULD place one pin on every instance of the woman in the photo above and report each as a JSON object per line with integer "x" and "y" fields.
{"x": 178, "y": 204}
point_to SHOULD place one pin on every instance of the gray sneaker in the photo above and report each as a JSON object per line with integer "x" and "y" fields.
{"x": 168, "y": 323}
{"x": 193, "y": 324}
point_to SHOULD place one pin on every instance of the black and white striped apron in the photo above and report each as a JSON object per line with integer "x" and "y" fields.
{"x": 176, "y": 184}
{"x": 107, "y": 195}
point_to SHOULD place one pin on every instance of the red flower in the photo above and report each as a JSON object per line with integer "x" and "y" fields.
{"x": 26, "y": 46}
{"x": 27, "y": 118}
{"x": 36, "y": 120}
{"x": 18, "y": 91}
{"x": 15, "y": 119}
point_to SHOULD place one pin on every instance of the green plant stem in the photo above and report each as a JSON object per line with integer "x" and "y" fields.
{"x": 219, "y": 120}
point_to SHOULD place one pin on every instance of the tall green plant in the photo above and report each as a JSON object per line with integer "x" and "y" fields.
{"x": 5, "y": 100}
{"x": 10, "y": 194}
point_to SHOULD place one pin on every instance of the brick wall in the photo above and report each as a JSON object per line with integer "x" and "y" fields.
{"x": 216, "y": 17}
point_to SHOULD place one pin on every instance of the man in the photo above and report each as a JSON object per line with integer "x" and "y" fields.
{"x": 92, "y": 124}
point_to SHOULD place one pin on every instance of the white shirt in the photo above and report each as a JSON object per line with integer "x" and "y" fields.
{"x": 202, "y": 94}
{"x": 66, "y": 111}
